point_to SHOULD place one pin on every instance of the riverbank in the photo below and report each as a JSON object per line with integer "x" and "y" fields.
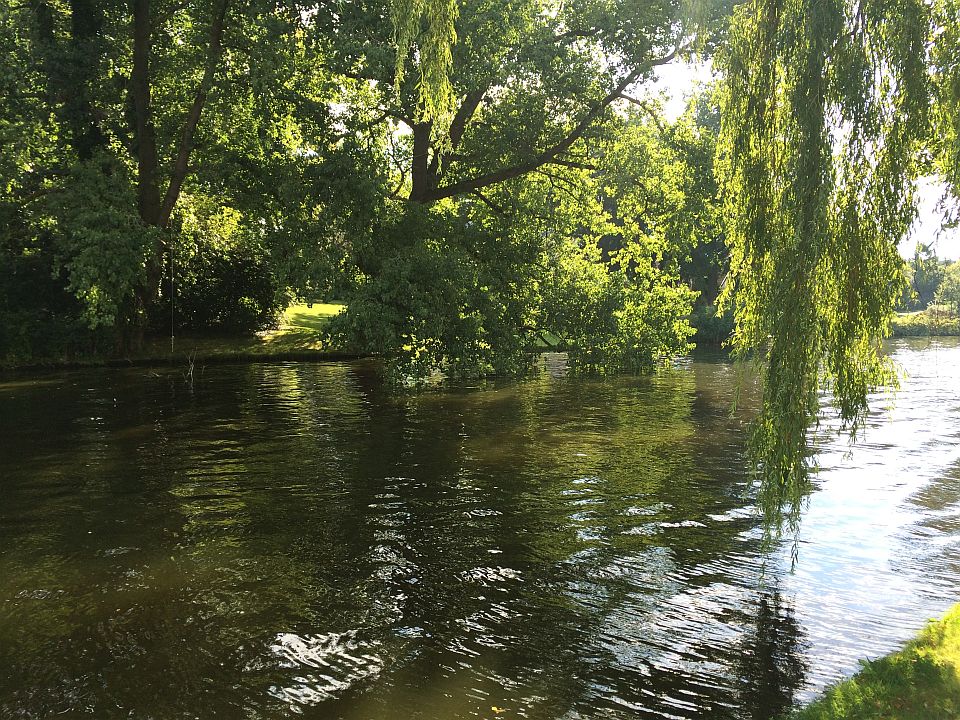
{"x": 937, "y": 320}
{"x": 297, "y": 337}
{"x": 921, "y": 682}
{"x": 298, "y": 333}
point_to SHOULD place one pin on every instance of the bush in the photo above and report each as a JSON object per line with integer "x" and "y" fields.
{"x": 39, "y": 319}
{"x": 710, "y": 328}
{"x": 935, "y": 320}
{"x": 223, "y": 276}
{"x": 229, "y": 289}
{"x": 622, "y": 316}
{"x": 437, "y": 293}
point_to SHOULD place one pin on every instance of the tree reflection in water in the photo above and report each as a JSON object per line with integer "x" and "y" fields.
{"x": 298, "y": 538}
{"x": 773, "y": 666}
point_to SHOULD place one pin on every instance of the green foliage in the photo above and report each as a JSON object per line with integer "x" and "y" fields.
{"x": 936, "y": 320}
{"x": 39, "y": 320}
{"x": 816, "y": 156}
{"x": 297, "y": 131}
{"x": 926, "y": 273}
{"x": 948, "y": 292}
{"x": 436, "y": 293}
{"x": 945, "y": 62}
{"x": 711, "y": 327}
{"x": 622, "y": 316}
{"x": 223, "y": 279}
{"x": 469, "y": 286}
{"x": 921, "y": 682}
{"x": 434, "y": 51}
{"x": 101, "y": 243}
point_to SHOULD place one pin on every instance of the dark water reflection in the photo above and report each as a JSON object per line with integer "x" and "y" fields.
{"x": 292, "y": 539}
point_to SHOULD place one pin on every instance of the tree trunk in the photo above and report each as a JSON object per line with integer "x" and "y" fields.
{"x": 149, "y": 203}
{"x": 182, "y": 160}
{"x": 71, "y": 70}
{"x": 155, "y": 207}
{"x": 420, "y": 174}
{"x": 148, "y": 190}
{"x": 86, "y": 29}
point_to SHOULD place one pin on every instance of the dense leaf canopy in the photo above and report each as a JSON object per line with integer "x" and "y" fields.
{"x": 470, "y": 178}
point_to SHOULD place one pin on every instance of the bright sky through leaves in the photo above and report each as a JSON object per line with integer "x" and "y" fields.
{"x": 677, "y": 82}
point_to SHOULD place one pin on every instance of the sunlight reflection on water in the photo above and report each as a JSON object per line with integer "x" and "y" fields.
{"x": 287, "y": 539}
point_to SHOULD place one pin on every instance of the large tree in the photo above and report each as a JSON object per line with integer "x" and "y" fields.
{"x": 496, "y": 167}
{"x": 123, "y": 116}
{"x": 527, "y": 85}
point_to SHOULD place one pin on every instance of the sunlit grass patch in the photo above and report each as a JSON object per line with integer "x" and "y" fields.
{"x": 921, "y": 682}
{"x": 309, "y": 317}
{"x": 300, "y": 329}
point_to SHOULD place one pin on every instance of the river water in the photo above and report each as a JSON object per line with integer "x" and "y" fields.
{"x": 293, "y": 540}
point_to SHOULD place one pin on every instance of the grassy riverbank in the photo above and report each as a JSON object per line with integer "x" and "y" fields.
{"x": 921, "y": 682}
{"x": 298, "y": 336}
{"x": 935, "y": 320}
{"x": 300, "y": 329}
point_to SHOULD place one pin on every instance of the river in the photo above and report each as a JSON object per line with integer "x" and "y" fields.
{"x": 285, "y": 540}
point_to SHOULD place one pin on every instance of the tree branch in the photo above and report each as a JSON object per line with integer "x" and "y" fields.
{"x": 181, "y": 164}
{"x": 405, "y": 119}
{"x": 458, "y": 126}
{"x": 497, "y": 209}
{"x": 559, "y": 182}
{"x": 572, "y": 164}
{"x": 645, "y": 106}
{"x": 37, "y": 194}
{"x": 148, "y": 193}
{"x": 548, "y": 155}
{"x": 466, "y": 110}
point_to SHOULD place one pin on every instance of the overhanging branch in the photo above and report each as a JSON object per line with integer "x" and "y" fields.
{"x": 551, "y": 153}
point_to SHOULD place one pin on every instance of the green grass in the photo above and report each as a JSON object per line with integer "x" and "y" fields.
{"x": 935, "y": 320}
{"x": 921, "y": 682}
{"x": 301, "y": 326}
{"x": 312, "y": 319}
{"x": 299, "y": 331}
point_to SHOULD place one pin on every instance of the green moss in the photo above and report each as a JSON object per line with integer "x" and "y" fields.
{"x": 921, "y": 682}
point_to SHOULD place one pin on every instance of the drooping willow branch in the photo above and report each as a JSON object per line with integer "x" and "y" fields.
{"x": 824, "y": 115}
{"x": 430, "y": 25}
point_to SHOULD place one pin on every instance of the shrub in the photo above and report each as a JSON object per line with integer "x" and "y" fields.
{"x": 711, "y": 329}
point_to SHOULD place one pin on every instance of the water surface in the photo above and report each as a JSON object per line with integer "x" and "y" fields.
{"x": 278, "y": 540}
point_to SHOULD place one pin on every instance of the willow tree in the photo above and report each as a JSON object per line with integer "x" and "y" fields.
{"x": 946, "y": 73}
{"x": 429, "y": 26}
{"x": 825, "y": 117}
